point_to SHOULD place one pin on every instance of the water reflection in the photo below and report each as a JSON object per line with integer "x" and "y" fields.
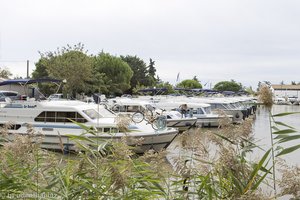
{"x": 261, "y": 128}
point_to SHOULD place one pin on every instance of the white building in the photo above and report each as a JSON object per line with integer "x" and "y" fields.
{"x": 286, "y": 90}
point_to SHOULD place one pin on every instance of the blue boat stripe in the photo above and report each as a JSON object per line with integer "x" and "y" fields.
{"x": 69, "y": 127}
{"x": 55, "y": 126}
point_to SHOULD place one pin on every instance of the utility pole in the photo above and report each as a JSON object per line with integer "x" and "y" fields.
{"x": 27, "y": 69}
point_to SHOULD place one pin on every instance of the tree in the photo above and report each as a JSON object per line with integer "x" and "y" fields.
{"x": 5, "y": 73}
{"x": 41, "y": 66}
{"x": 69, "y": 63}
{"x": 189, "y": 84}
{"x": 152, "y": 72}
{"x": 140, "y": 72}
{"x": 117, "y": 73}
{"x": 41, "y": 72}
{"x": 250, "y": 90}
{"x": 167, "y": 85}
{"x": 228, "y": 86}
{"x": 151, "y": 68}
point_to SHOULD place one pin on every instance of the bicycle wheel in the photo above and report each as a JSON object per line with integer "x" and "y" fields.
{"x": 154, "y": 125}
{"x": 137, "y": 117}
{"x": 159, "y": 123}
{"x": 116, "y": 108}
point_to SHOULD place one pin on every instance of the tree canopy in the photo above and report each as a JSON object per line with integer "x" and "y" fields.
{"x": 166, "y": 85}
{"x": 141, "y": 76}
{"x": 71, "y": 64}
{"x": 5, "y": 73}
{"x": 102, "y": 73}
{"x": 189, "y": 84}
{"x": 228, "y": 86}
{"x": 152, "y": 71}
{"x": 117, "y": 73}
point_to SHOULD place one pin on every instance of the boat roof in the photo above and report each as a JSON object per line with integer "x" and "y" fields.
{"x": 29, "y": 81}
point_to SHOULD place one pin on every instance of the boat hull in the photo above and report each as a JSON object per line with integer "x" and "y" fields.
{"x": 182, "y": 124}
{"x": 140, "y": 142}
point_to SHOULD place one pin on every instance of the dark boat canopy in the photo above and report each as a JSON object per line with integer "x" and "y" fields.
{"x": 29, "y": 81}
{"x": 153, "y": 90}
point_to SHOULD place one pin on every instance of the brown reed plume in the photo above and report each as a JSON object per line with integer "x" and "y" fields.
{"x": 265, "y": 96}
{"x": 123, "y": 122}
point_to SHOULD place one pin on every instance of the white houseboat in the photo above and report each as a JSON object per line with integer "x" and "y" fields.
{"x": 138, "y": 109}
{"x": 51, "y": 120}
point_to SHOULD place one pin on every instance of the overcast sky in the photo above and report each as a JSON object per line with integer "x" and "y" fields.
{"x": 215, "y": 40}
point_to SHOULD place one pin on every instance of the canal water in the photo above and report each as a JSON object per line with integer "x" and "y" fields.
{"x": 261, "y": 129}
{"x": 262, "y": 135}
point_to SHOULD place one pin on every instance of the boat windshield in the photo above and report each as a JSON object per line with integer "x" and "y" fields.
{"x": 93, "y": 114}
{"x": 228, "y": 106}
{"x": 207, "y": 110}
{"x": 233, "y": 105}
{"x": 175, "y": 115}
{"x": 219, "y": 106}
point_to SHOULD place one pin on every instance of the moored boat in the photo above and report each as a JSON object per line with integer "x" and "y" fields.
{"x": 133, "y": 107}
{"x": 52, "y": 121}
{"x": 199, "y": 110}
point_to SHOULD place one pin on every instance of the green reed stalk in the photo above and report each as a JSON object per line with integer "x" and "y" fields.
{"x": 272, "y": 150}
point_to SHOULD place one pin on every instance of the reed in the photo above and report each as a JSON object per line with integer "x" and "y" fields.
{"x": 281, "y": 134}
{"x": 211, "y": 164}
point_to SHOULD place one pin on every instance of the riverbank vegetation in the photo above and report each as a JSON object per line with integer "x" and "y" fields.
{"x": 209, "y": 167}
{"x": 209, "y": 164}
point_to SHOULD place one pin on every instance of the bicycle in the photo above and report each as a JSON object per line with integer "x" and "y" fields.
{"x": 156, "y": 119}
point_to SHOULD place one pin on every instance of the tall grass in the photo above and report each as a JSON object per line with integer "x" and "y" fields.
{"x": 211, "y": 164}
{"x": 281, "y": 134}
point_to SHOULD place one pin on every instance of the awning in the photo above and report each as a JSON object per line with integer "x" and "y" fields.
{"x": 29, "y": 81}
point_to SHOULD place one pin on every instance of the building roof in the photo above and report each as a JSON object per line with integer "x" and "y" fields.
{"x": 285, "y": 87}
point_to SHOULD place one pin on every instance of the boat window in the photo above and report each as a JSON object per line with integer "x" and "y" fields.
{"x": 169, "y": 117}
{"x": 63, "y": 116}
{"x": 133, "y": 108}
{"x": 177, "y": 114}
{"x": 221, "y": 106}
{"x": 41, "y": 117}
{"x": 80, "y": 119}
{"x": 11, "y": 126}
{"x": 10, "y": 94}
{"x": 207, "y": 110}
{"x": 149, "y": 107}
{"x": 121, "y": 109}
{"x": 105, "y": 112}
{"x": 213, "y": 106}
{"x": 228, "y": 106}
{"x": 52, "y": 116}
{"x": 200, "y": 111}
{"x": 91, "y": 113}
{"x": 105, "y": 130}
{"x": 233, "y": 105}
{"x": 13, "y": 105}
